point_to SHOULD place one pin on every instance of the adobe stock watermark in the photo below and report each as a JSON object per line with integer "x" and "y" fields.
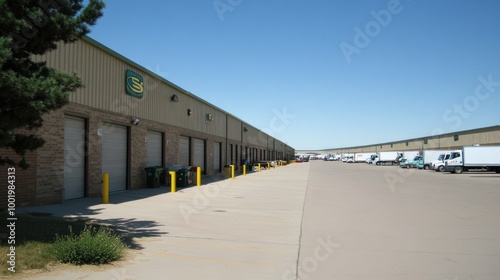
{"x": 394, "y": 178}
{"x": 310, "y": 264}
{"x": 223, "y": 6}
{"x": 35, "y": 21}
{"x": 75, "y": 156}
{"x": 373, "y": 28}
{"x": 278, "y": 123}
{"x": 456, "y": 114}
{"x": 471, "y": 103}
{"x": 121, "y": 274}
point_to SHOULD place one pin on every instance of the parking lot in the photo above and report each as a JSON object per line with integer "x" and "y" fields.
{"x": 312, "y": 220}
{"x": 394, "y": 223}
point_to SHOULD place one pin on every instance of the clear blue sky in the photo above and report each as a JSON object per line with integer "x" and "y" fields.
{"x": 323, "y": 74}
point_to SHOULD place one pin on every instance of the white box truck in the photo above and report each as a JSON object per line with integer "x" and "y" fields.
{"x": 474, "y": 158}
{"x": 387, "y": 158}
{"x": 426, "y": 158}
{"x": 362, "y": 157}
{"x": 438, "y": 165}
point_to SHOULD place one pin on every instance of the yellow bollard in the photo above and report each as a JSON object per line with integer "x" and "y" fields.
{"x": 268, "y": 165}
{"x": 172, "y": 181}
{"x": 198, "y": 176}
{"x": 258, "y": 169}
{"x": 232, "y": 171}
{"x": 244, "y": 169}
{"x": 105, "y": 188}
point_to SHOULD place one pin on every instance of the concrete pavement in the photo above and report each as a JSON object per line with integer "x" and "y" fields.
{"x": 242, "y": 228}
{"x": 317, "y": 220}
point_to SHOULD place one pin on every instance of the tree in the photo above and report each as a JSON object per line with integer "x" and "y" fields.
{"x": 29, "y": 89}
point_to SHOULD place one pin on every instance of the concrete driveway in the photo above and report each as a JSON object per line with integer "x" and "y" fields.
{"x": 316, "y": 220}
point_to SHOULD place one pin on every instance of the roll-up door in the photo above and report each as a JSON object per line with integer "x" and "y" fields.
{"x": 114, "y": 156}
{"x": 199, "y": 153}
{"x": 154, "y": 154}
{"x": 184, "y": 150}
{"x": 217, "y": 156}
{"x": 74, "y": 158}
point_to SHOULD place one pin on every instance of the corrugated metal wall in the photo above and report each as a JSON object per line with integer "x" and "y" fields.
{"x": 103, "y": 74}
{"x": 104, "y": 78}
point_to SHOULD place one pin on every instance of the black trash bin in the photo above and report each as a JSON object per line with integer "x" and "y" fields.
{"x": 153, "y": 174}
{"x": 182, "y": 178}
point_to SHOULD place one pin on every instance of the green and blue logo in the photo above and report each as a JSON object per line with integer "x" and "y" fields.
{"x": 134, "y": 84}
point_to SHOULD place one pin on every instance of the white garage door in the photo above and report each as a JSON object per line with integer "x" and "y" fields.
{"x": 184, "y": 151}
{"x": 154, "y": 148}
{"x": 217, "y": 157}
{"x": 74, "y": 158}
{"x": 199, "y": 153}
{"x": 114, "y": 156}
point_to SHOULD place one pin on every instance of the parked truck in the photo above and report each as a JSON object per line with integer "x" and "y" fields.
{"x": 371, "y": 159}
{"x": 425, "y": 159}
{"x": 387, "y": 158}
{"x": 362, "y": 157}
{"x": 408, "y": 158}
{"x": 474, "y": 158}
{"x": 438, "y": 164}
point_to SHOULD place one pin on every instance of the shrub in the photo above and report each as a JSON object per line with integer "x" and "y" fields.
{"x": 91, "y": 246}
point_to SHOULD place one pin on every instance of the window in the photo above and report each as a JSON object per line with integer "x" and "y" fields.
{"x": 426, "y": 141}
{"x": 455, "y": 137}
{"x": 454, "y": 155}
{"x": 407, "y": 144}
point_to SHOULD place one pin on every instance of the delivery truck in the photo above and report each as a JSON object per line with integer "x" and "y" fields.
{"x": 362, "y": 157}
{"x": 384, "y": 158}
{"x": 425, "y": 159}
{"x": 474, "y": 158}
{"x": 438, "y": 164}
{"x": 407, "y": 159}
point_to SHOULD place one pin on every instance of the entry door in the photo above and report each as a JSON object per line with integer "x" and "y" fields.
{"x": 74, "y": 158}
{"x": 114, "y": 156}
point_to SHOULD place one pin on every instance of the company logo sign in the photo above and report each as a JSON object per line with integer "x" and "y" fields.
{"x": 209, "y": 118}
{"x": 134, "y": 84}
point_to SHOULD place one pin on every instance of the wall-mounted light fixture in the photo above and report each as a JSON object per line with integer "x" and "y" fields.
{"x": 189, "y": 112}
{"x": 245, "y": 129}
{"x": 135, "y": 121}
{"x": 174, "y": 98}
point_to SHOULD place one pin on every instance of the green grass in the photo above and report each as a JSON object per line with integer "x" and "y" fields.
{"x": 36, "y": 236}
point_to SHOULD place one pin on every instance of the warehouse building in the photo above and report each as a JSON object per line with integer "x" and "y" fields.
{"x": 124, "y": 119}
{"x": 486, "y": 136}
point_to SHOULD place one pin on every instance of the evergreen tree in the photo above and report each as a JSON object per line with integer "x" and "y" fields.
{"x": 29, "y": 89}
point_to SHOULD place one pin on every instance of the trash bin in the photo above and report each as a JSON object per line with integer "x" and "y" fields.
{"x": 164, "y": 177}
{"x": 182, "y": 178}
{"x": 153, "y": 176}
{"x": 226, "y": 171}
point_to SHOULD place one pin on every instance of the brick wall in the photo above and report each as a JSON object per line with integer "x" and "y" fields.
{"x": 43, "y": 182}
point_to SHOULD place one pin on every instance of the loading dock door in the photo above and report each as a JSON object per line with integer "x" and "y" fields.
{"x": 217, "y": 156}
{"x": 114, "y": 156}
{"x": 199, "y": 153}
{"x": 183, "y": 151}
{"x": 154, "y": 147}
{"x": 74, "y": 158}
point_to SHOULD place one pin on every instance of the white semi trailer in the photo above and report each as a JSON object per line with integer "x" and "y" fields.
{"x": 474, "y": 158}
